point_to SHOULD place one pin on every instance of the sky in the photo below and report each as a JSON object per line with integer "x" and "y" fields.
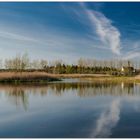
{"x": 70, "y": 30}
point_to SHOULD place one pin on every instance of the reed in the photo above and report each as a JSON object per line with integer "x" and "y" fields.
{"x": 26, "y": 77}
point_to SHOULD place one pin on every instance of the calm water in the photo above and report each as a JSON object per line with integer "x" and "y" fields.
{"x": 70, "y": 109}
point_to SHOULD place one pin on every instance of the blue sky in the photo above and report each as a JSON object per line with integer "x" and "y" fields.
{"x": 69, "y": 31}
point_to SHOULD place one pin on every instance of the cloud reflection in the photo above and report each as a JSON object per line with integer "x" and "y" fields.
{"x": 108, "y": 120}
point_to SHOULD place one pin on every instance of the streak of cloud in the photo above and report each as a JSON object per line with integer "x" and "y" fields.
{"x": 131, "y": 55}
{"x": 9, "y": 35}
{"x": 107, "y": 33}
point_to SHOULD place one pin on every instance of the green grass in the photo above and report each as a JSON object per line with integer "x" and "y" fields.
{"x": 113, "y": 79}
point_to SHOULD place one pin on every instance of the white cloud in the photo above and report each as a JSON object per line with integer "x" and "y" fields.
{"x": 47, "y": 42}
{"x": 15, "y": 36}
{"x": 98, "y": 23}
{"x": 131, "y": 55}
{"x": 134, "y": 51}
{"x": 107, "y": 33}
{"x": 48, "y": 45}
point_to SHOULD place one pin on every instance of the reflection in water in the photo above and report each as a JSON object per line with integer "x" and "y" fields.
{"x": 93, "y": 89}
{"x": 108, "y": 119}
{"x": 99, "y": 103}
{"x": 19, "y": 94}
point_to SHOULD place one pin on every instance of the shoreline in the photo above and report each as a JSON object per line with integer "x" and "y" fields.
{"x": 26, "y": 78}
{"x": 44, "y": 78}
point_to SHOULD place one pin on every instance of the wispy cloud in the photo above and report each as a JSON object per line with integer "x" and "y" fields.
{"x": 107, "y": 33}
{"x": 134, "y": 51}
{"x": 96, "y": 33}
{"x": 131, "y": 55}
{"x": 46, "y": 45}
{"x": 9, "y": 35}
{"x": 108, "y": 119}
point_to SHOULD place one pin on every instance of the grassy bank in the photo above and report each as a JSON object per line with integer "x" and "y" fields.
{"x": 26, "y": 77}
{"x": 114, "y": 79}
{"x": 43, "y": 77}
{"x": 100, "y": 77}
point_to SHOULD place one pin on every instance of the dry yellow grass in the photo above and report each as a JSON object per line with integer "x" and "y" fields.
{"x": 41, "y": 74}
{"x": 77, "y": 75}
{"x": 32, "y": 76}
{"x": 21, "y": 74}
{"x": 8, "y": 77}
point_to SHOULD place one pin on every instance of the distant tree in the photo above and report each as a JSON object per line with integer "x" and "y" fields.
{"x": 43, "y": 64}
{"x": 25, "y": 61}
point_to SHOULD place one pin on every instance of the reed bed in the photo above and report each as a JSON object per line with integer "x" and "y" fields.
{"x": 26, "y": 77}
{"x": 43, "y": 77}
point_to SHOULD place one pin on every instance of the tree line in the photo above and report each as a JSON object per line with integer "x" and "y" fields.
{"x": 82, "y": 66}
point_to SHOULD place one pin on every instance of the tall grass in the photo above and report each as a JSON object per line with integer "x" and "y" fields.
{"x": 25, "y": 77}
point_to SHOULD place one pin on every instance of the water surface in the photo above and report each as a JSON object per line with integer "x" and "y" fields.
{"x": 70, "y": 109}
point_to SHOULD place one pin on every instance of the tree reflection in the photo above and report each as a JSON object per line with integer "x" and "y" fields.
{"x": 93, "y": 89}
{"x": 19, "y": 94}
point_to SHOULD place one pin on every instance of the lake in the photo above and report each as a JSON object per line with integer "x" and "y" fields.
{"x": 70, "y": 109}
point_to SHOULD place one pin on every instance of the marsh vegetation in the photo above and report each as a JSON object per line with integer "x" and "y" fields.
{"x": 21, "y": 69}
